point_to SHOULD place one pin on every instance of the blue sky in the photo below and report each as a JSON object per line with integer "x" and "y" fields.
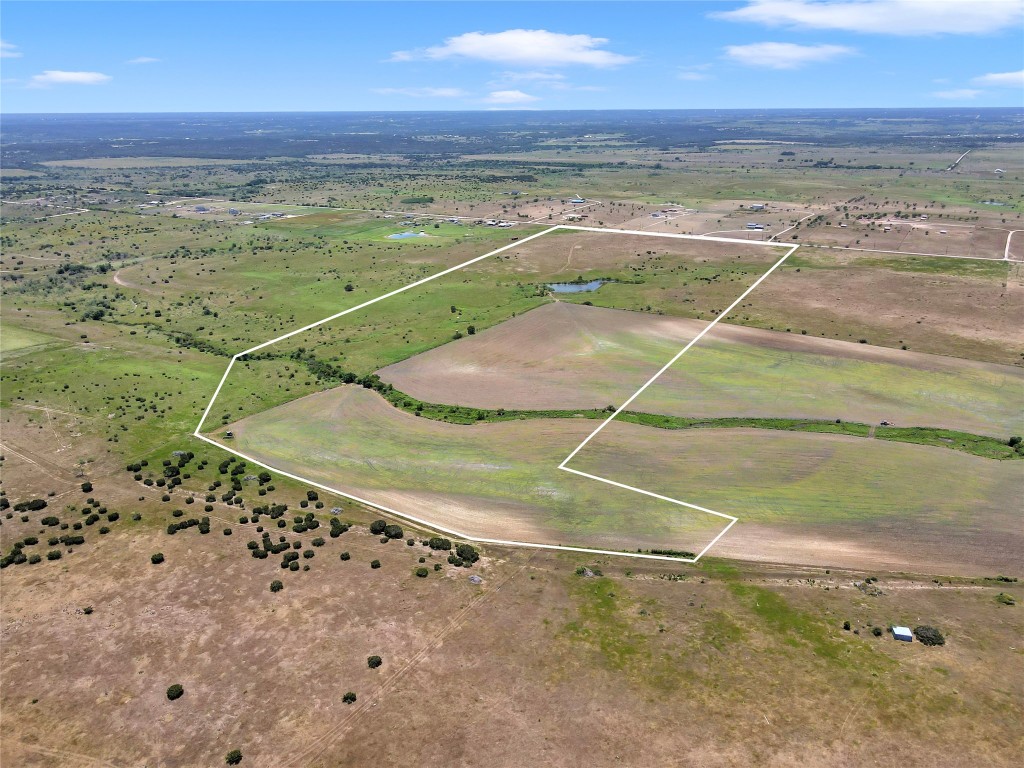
{"x": 324, "y": 56}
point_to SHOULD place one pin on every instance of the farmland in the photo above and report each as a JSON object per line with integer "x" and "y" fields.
{"x": 123, "y": 304}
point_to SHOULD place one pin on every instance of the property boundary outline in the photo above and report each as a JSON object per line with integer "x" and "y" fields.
{"x": 483, "y": 540}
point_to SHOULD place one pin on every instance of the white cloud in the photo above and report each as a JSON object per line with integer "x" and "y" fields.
{"x": 1009, "y": 79}
{"x": 142, "y": 60}
{"x": 523, "y": 47}
{"x": 60, "y": 77}
{"x": 550, "y": 80}
{"x": 784, "y": 55}
{"x": 694, "y": 73}
{"x": 531, "y": 77}
{"x": 889, "y": 17}
{"x": 958, "y": 94}
{"x": 9, "y": 50}
{"x": 419, "y": 93}
{"x": 509, "y": 97}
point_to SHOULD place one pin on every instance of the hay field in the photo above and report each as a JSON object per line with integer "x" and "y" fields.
{"x": 573, "y": 356}
{"x": 842, "y": 499}
{"x": 491, "y": 480}
{"x": 500, "y": 481}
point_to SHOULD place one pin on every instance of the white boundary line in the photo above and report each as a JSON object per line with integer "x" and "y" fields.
{"x": 458, "y": 534}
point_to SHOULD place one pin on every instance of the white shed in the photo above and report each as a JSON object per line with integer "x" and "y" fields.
{"x": 903, "y": 633}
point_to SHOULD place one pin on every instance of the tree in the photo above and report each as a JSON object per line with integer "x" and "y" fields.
{"x": 86, "y": 487}
{"x": 422, "y": 572}
{"x": 377, "y": 527}
{"x": 467, "y": 552}
{"x": 375, "y": 563}
{"x": 234, "y": 757}
{"x": 276, "y": 586}
{"x": 175, "y": 692}
{"x": 929, "y": 635}
{"x": 394, "y": 531}
{"x": 349, "y": 698}
{"x": 374, "y": 661}
{"x": 157, "y": 558}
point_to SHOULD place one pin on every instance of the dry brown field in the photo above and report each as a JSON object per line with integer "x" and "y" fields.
{"x": 717, "y": 666}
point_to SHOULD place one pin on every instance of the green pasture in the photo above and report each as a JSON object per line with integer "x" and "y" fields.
{"x": 508, "y": 472}
{"x": 15, "y": 340}
{"x": 717, "y": 378}
{"x": 794, "y": 477}
{"x": 351, "y": 440}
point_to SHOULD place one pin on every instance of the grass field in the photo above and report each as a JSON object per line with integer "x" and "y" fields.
{"x": 571, "y": 356}
{"x": 500, "y": 480}
{"x": 14, "y": 340}
{"x": 118, "y": 322}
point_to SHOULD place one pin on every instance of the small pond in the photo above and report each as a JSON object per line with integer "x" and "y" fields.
{"x": 593, "y": 285}
{"x": 404, "y": 235}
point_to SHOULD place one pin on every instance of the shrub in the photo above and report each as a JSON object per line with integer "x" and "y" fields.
{"x": 422, "y": 572}
{"x": 175, "y": 692}
{"x": 30, "y": 540}
{"x": 876, "y": 631}
{"x": 104, "y": 530}
{"x": 50, "y": 520}
{"x": 86, "y": 487}
{"x": 234, "y": 757}
{"x": 293, "y": 565}
{"x": 53, "y": 554}
{"x": 136, "y": 517}
{"x": 33, "y": 559}
{"x": 165, "y": 497}
{"x": 373, "y": 563}
{"x": 87, "y": 610}
{"x": 345, "y": 556}
{"x": 846, "y": 626}
{"x": 177, "y": 513}
{"x": 437, "y": 566}
{"x": 113, "y": 517}
{"x": 1004, "y": 599}
{"x": 349, "y": 698}
{"x": 394, "y": 531}
{"x": 276, "y": 586}
{"x": 312, "y": 495}
{"x": 411, "y": 542}
{"x": 377, "y": 527}
{"x": 374, "y": 661}
{"x": 318, "y": 542}
{"x": 929, "y": 635}
{"x": 439, "y": 543}
{"x": 156, "y": 558}
{"x": 308, "y": 554}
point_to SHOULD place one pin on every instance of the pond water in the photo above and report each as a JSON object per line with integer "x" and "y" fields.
{"x": 593, "y": 285}
{"x": 404, "y": 235}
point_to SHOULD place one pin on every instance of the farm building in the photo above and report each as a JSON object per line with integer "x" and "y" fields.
{"x": 758, "y": 207}
{"x": 902, "y": 633}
